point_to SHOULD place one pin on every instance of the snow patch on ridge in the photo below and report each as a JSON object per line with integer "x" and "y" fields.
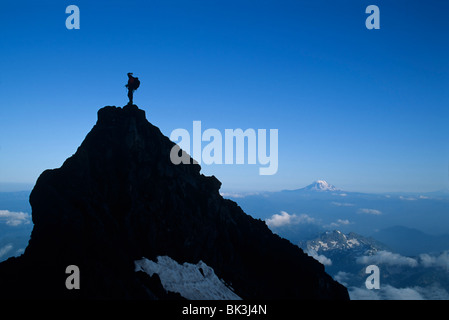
{"x": 192, "y": 281}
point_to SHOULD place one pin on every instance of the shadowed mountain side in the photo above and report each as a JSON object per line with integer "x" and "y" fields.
{"x": 119, "y": 198}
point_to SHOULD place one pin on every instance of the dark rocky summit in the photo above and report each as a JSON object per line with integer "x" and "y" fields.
{"x": 119, "y": 198}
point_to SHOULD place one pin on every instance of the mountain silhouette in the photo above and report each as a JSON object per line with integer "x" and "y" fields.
{"x": 119, "y": 199}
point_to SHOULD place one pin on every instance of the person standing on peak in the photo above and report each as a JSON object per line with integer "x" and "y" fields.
{"x": 133, "y": 84}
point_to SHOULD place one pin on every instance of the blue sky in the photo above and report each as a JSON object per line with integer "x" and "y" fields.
{"x": 366, "y": 110}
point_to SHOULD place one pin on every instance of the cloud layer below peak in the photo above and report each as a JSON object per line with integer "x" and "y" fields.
{"x": 14, "y": 219}
{"x": 284, "y": 219}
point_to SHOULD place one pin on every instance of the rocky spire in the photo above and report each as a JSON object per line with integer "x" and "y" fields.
{"x": 119, "y": 199}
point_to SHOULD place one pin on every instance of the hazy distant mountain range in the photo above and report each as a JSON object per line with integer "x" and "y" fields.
{"x": 303, "y": 213}
{"x": 406, "y": 235}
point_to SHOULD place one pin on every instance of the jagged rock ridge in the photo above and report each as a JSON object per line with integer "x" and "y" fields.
{"x": 119, "y": 199}
{"x": 337, "y": 240}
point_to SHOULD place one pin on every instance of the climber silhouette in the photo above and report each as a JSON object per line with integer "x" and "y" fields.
{"x": 133, "y": 84}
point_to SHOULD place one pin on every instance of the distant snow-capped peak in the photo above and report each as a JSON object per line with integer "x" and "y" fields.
{"x": 338, "y": 241}
{"x": 332, "y": 240}
{"x": 321, "y": 185}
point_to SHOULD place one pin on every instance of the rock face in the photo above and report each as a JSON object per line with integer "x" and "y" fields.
{"x": 119, "y": 199}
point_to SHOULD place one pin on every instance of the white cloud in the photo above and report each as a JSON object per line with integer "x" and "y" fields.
{"x": 369, "y": 211}
{"x": 319, "y": 257}
{"x": 389, "y": 258}
{"x": 424, "y": 260}
{"x": 5, "y": 249}
{"x": 407, "y": 198}
{"x": 284, "y": 219}
{"x": 392, "y": 293}
{"x": 441, "y": 261}
{"x": 434, "y": 292}
{"x": 338, "y": 223}
{"x": 388, "y": 292}
{"x": 14, "y": 218}
{"x": 343, "y": 277}
{"x": 356, "y": 293}
{"x": 238, "y": 195}
{"x": 343, "y": 222}
{"x": 342, "y": 204}
{"x": 232, "y": 195}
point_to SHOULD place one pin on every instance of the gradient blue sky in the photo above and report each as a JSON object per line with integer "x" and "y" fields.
{"x": 366, "y": 110}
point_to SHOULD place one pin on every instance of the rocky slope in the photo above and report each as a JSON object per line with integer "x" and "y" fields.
{"x": 119, "y": 199}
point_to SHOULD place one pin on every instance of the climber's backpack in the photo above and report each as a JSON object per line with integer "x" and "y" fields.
{"x": 136, "y": 83}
